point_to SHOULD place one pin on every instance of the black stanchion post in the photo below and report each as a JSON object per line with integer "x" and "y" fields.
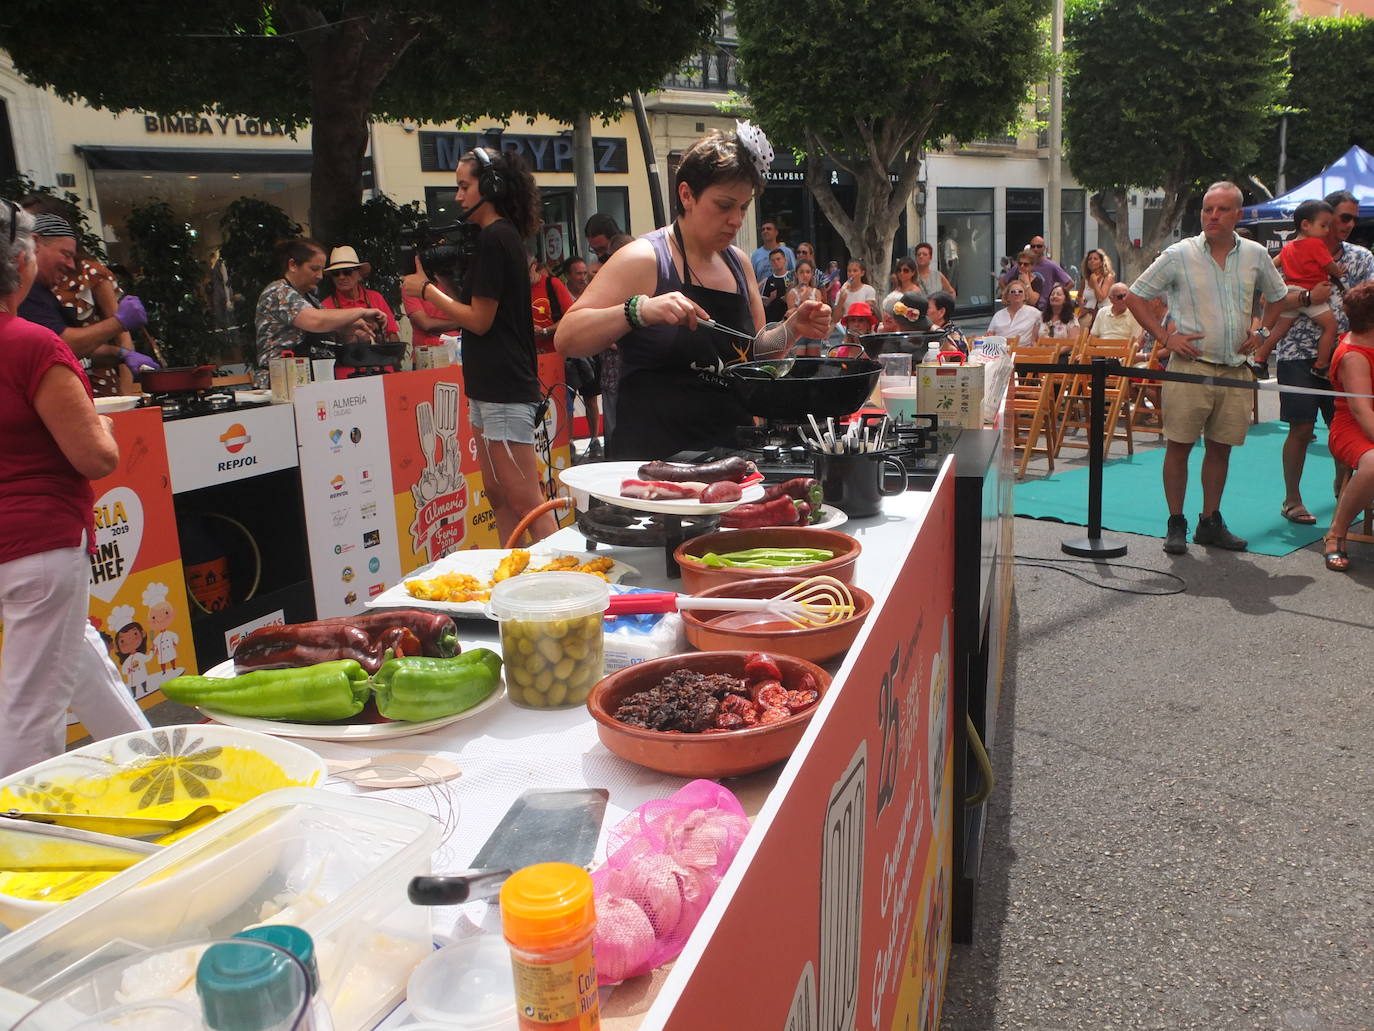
{"x": 1093, "y": 546}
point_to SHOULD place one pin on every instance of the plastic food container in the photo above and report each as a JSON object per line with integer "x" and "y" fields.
{"x": 552, "y": 638}
{"x": 466, "y": 985}
{"x": 334, "y": 865}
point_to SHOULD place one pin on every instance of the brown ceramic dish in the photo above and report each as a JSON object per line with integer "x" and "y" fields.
{"x": 759, "y": 631}
{"x": 697, "y": 577}
{"x": 698, "y": 755}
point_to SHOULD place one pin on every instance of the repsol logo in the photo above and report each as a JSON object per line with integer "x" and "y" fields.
{"x": 236, "y": 463}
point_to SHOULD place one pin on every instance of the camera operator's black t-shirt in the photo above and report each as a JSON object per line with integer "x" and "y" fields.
{"x": 501, "y": 365}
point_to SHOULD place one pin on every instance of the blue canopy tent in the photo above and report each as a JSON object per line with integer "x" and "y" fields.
{"x": 1353, "y": 171}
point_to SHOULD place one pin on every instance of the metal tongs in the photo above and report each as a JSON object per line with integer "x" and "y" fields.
{"x": 713, "y": 324}
{"x": 119, "y": 826}
{"x": 41, "y": 847}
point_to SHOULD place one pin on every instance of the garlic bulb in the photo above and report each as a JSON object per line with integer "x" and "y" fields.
{"x": 624, "y": 939}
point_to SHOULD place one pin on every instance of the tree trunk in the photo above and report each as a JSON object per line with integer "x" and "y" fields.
{"x": 339, "y": 148}
{"x": 1136, "y": 259}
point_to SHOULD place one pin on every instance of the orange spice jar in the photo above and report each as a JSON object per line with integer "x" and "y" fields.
{"x": 548, "y": 915}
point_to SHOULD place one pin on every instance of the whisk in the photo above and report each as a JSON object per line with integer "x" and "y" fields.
{"x": 816, "y": 601}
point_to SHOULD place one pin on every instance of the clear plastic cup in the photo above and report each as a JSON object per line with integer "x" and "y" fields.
{"x": 467, "y": 985}
{"x": 552, "y": 639}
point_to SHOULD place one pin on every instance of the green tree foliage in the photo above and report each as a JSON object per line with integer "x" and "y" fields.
{"x": 374, "y": 230}
{"x": 1329, "y": 98}
{"x": 19, "y": 187}
{"x": 1167, "y": 94}
{"x": 169, "y": 283}
{"x": 870, "y": 85}
{"x": 334, "y": 65}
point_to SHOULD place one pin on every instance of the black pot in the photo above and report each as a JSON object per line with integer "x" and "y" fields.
{"x": 910, "y": 342}
{"x": 823, "y": 387}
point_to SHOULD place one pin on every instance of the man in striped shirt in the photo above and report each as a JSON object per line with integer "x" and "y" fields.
{"x": 1211, "y": 281}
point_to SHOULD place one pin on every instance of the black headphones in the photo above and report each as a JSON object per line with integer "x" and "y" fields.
{"x": 491, "y": 184}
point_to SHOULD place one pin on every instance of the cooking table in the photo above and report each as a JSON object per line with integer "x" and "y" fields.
{"x": 860, "y": 830}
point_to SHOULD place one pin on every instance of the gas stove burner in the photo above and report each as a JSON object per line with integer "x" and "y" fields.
{"x": 189, "y": 404}
{"x": 602, "y": 523}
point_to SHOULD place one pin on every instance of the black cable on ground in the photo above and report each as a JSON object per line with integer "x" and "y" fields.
{"x": 1034, "y": 562}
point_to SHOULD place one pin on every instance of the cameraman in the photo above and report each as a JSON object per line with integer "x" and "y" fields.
{"x": 500, "y": 369}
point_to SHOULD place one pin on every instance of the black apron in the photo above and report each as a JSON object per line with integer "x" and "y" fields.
{"x": 683, "y": 403}
{"x": 312, "y": 345}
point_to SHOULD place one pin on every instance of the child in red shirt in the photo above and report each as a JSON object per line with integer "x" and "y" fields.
{"x": 1305, "y": 261}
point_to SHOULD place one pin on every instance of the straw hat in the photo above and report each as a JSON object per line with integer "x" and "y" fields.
{"x": 346, "y": 257}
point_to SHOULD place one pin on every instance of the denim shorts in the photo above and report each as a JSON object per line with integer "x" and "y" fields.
{"x": 1297, "y": 372}
{"x": 504, "y": 420}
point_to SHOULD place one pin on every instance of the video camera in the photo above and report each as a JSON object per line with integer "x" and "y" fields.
{"x": 444, "y": 251}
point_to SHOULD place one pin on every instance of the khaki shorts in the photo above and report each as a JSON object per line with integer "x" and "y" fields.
{"x": 1193, "y": 410}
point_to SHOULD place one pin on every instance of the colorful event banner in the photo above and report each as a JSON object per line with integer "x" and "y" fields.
{"x": 439, "y": 502}
{"x": 138, "y": 594}
{"x": 868, "y": 802}
{"x": 341, "y": 429}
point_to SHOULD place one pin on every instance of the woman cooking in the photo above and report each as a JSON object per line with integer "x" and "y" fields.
{"x": 651, "y": 295}
{"x": 55, "y": 444}
{"x": 290, "y": 316}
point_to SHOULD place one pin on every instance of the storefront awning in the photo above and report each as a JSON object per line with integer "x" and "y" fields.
{"x": 177, "y": 159}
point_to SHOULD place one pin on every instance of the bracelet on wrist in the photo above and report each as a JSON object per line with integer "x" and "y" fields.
{"x": 632, "y": 315}
{"x": 424, "y": 288}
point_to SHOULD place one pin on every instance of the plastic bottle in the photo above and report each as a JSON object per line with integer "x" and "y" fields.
{"x": 548, "y": 915}
{"x": 251, "y": 986}
{"x": 302, "y": 946}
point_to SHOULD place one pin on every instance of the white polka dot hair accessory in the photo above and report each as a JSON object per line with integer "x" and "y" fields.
{"x": 754, "y": 141}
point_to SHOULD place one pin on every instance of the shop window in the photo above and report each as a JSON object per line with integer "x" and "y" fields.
{"x": 1025, "y": 218}
{"x": 964, "y": 243}
{"x": 9, "y": 166}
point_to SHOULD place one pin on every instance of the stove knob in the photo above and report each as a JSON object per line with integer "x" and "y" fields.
{"x": 799, "y": 455}
{"x": 772, "y": 453}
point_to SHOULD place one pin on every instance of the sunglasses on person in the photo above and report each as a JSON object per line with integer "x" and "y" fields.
{"x": 340, "y": 272}
{"x": 1024, "y": 264}
{"x": 1346, "y": 218}
{"x": 1118, "y": 297}
{"x": 1037, "y": 246}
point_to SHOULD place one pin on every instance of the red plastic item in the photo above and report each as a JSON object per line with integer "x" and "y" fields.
{"x": 642, "y": 602}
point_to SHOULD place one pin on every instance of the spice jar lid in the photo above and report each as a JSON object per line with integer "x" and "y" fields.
{"x": 545, "y": 596}
{"x": 546, "y": 905}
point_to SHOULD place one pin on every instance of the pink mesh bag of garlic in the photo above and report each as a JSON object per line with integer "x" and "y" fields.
{"x": 663, "y": 864}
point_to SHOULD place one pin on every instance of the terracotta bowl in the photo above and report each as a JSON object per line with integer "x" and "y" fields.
{"x": 697, "y": 577}
{"x": 759, "y": 631}
{"x": 698, "y": 755}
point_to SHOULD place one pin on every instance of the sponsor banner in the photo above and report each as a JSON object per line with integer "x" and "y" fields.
{"x": 138, "y": 593}
{"x": 866, "y": 800}
{"x": 341, "y": 428}
{"x": 230, "y": 446}
{"x": 233, "y": 636}
{"x": 439, "y": 503}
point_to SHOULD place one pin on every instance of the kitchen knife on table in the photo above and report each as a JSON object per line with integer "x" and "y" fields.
{"x": 542, "y": 826}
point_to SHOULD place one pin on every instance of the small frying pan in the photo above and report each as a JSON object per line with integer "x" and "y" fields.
{"x": 189, "y": 377}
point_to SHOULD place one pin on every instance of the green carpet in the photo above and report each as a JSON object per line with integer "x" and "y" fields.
{"x": 1133, "y": 493}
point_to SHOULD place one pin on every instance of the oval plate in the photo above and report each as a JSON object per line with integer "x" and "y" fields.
{"x": 602, "y": 480}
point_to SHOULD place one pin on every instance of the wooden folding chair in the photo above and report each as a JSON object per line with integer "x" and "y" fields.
{"x": 1030, "y": 399}
{"x": 1076, "y": 400}
{"x": 1143, "y": 411}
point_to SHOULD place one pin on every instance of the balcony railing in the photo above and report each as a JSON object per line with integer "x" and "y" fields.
{"x": 714, "y": 69}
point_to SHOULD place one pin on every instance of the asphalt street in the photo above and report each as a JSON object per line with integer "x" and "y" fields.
{"x": 1181, "y": 834}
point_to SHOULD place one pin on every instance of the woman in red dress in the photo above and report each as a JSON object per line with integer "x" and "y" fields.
{"x": 1352, "y": 430}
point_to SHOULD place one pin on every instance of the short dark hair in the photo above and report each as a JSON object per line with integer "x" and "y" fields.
{"x": 926, "y": 246}
{"x": 602, "y": 224}
{"x": 575, "y": 259}
{"x": 1358, "y": 305}
{"x": 1309, "y": 210}
{"x": 777, "y": 250}
{"x": 1338, "y": 197}
{"x": 717, "y": 158}
{"x": 944, "y": 301}
{"x": 297, "y": 249}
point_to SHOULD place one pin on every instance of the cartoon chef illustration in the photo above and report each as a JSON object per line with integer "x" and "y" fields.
{"x": 131, "y": 648}
{"x": 160, "y": 616}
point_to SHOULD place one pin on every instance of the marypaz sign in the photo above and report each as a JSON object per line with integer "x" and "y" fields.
{"x": 440, "y": 151}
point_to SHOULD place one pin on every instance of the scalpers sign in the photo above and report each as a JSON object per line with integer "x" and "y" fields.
{"x": 440, "y": 151}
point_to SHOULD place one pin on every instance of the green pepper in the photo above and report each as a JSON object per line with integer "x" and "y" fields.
{"x": 767, "y": 557}
{"x": 415, "y": 689}
{"x": 310, "y": 694}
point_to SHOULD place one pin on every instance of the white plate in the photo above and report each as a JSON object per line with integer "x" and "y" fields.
{"x": 830, "y": 518}
{"x": 356, "y": 732}
{"x": 118, "y": 403}
{"x": 602, "y": 480}
{"x": 481, "y": 563}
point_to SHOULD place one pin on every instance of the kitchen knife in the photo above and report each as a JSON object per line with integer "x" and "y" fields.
{"x": 542, "y": 826}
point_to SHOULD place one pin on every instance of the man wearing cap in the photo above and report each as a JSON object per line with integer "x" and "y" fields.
{"x": 55, "y": 255}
